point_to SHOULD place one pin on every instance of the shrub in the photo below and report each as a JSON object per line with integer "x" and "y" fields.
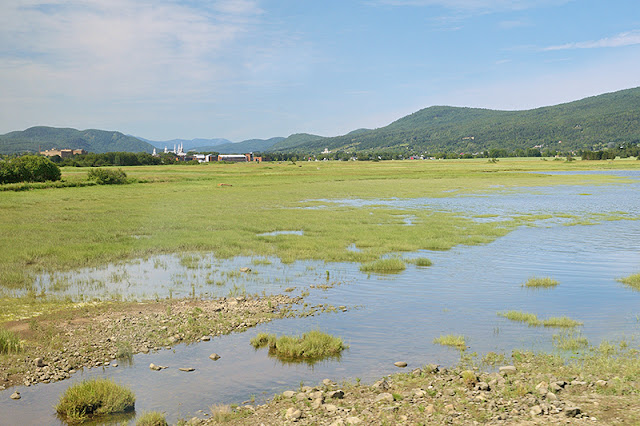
{"x": 9, "y": 342}
{"x": 28, "y": 168}
{"x": 152, "y": 418}
{"x": 94, "y": 397}
{"x": 108, "y": 176}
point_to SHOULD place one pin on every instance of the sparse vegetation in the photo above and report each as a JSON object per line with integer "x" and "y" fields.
{"x": 94, "y": 397}
{"x": 535, "y": 282}
{"x": 570, "y": 341}
{"x": 456, "y": 341}
{"x": 632, "y": 281}
{"x": 384, "y": 266}
{"x": 533, "y": 321}
{"x": 313, "y": 345}
{"x": 152, "y": 418}
{"x": 125, "y": 351}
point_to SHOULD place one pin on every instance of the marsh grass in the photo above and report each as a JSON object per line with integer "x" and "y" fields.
{"x": 95, "y": 397}
{"x": 532, "y": 320}
{"x": 456, "y": 341}
{"x": 313, "y": 345}
{"x": 124, "y": 351}
{"x": 421, "y": 261}
{"x": 536, "y": 282}
{"x": 570, "y": 341}
{"x": 9, "y": 342}
{"x": 391, "y": 265}
{"x": 152, "y": 418}
{"x": 632, "y": 281}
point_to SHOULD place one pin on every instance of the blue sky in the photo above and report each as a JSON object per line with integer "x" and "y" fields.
{"x": 242, "y": 69}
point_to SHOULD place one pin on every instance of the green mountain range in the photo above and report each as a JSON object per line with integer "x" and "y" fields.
{"x": 39, "y": 138}
{"x": 592, "y": 123}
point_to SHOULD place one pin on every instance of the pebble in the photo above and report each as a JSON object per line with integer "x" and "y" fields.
{"x": 187, "y": 369}
{"x": 293, "y": 414}
{"x": 288, "y": 394}
{"x": 214, "y": 356}
{"x": 507, "y": 369}
{"x": 400, "y": 364}
{"x": 384, "y": 397}
{"x": 15, "y": 395}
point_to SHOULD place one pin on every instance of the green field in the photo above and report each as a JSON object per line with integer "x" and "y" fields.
{"x": 184, "y": 208}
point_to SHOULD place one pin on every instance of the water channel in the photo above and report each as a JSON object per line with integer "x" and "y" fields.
{"x": 389, "y": 317}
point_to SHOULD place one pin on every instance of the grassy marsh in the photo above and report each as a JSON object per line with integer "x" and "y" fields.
{"x": 96, "y": 231}
{"x": 94, "y": 397}
{"x": 421, "y": 261}
{"x": 391, "y": 265}
{"x": 532, "y": 320}
{"x": 151, "y": 418}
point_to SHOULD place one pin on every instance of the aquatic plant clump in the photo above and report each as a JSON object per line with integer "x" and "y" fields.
{"x": 421, "y": 261}
{"x": 632, "y": 281}
{"x": 9, "y": 342}
{"x": 312, "y": 345}
{"x": 384, "y": 266}
{"x": 532, "y": 320}
{"x": 535, "y": 282}
{"x": 94, "y": 397}
{"x": 456, "y": 341}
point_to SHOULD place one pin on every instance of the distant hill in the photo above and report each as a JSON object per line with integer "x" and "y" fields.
{"x": 295, "y": 140}
{"x": 251, "y": 145}
{"x": 591, "y": 123}
{"x": 186, "y": 143}
{"x": 41, "y": 137}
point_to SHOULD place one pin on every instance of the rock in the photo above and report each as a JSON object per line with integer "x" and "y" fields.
{"x": 429, "y": 410}
{"x": 550, "y": 396}
{"x": 115, "y": 364}
{"x": 154, "y": 367}
{"x": 39, "y": 362}
{"x": 507, "y": 369}
{"x": 214, "y": 356}
{"x": 205, "y": 338}
{"x": 554, "y": 387}
{"x": 352, "y": 420}
{"x": 317, "y": 403}
{"x": 572, "y": 411}
{"x": 301, "y": 396}
{"x": 316, "y": 395}
{"x": 536, "y": 410}
{"x": 289, "y": 289}
{"x": 337, "y": 394}
{"x": 288, "y": 394}
{"x": 542, "y": 388}
{"x": 419, "y": 393}
{"x": 330, "y": 408}
{"x": 578, "y": 383}
{"x": 187, "y": 369}
{"x": 483, "y": 386}
{"x": 384, "y": 397}
{"x": 381, "y": 384}
{"x": 245, "y": 269}
{"x": 15, "y": 395}
{"x": 602, "y": 383}
{"x": 293, "y": 414}
{"x": 400, "y": 364}
{"x": 327, "y": 382}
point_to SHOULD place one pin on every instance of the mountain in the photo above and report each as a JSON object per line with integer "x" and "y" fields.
{"x": 294, "y": 140}
{"x": 251, "y": 145}
{"x": 591, "y": 123}
{"x": 187, "y": 144}
{"x": 41, "y": 137}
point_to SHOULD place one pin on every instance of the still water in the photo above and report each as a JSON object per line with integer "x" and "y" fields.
{"x": 389, "y": 318}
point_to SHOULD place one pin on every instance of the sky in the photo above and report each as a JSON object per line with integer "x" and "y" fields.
{"x": 244, "y": 69}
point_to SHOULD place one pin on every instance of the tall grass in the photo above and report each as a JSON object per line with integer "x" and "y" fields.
{"x": 421, "y": 261}
{"x": 535, "y": 282}
{"x": 384, "y": 266}
{"x": 632, "y": 281}
{"x": 312, "y": 345}
{"x": 95, "y": 397}
{"x": 9, "y": 342}
{"x": 570, "y": 341}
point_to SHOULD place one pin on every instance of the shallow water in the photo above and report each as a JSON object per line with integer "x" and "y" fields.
{"x": 389, "y": 317}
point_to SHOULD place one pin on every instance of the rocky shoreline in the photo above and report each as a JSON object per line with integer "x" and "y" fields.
{"x": 58, "y": 344}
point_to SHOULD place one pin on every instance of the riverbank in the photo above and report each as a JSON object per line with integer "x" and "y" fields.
{"x": 55, "y": 345}
{"x": 599, "y": 387}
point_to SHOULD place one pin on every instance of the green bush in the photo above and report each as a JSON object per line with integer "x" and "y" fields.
{"x": 94, "y": 397}
{"x": 28, "y": 168}
{"x": 108, "y": 176}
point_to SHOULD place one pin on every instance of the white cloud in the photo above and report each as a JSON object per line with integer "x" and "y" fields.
{"x": 475, "y": 5}
{"x": 628, "y": 38}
